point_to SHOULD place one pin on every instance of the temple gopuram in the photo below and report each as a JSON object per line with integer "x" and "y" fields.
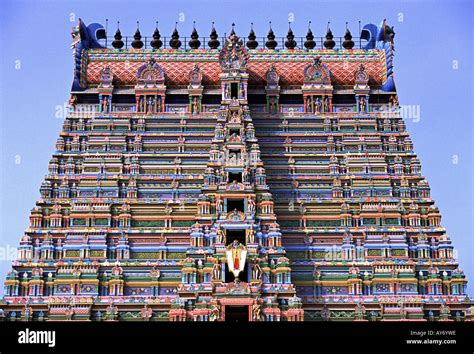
{"x": 234, "y": 179}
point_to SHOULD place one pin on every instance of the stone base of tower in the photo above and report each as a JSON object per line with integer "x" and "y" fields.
{"x": 226, "y": 302}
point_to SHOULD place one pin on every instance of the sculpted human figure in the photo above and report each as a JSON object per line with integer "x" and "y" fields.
{"x": 219, "y": 206}
{"x": 215, "y": 313}
{"x": 217, "y": 270}
{"x": 223, "y": 176}
{"x": 245, "y": 176}
{"x": 105, "y": 104}
{"x": 195, "y": 108}
{"x": 362, "y": 104}
{"x": 150, "y": 105}
{"x": 326, "y": 104}
{"x": 256, "y": 315}
{"x": 158, "y": 104}
{"x": 73, "y": 101}
{"x": 256, "y": 270}
{"x": 317, "y": 105}
{"x": 251, "y": 206}
{"x": 273, "y": 105}
{"x": 220, "y": 236}
{"x": 309, "y": 104}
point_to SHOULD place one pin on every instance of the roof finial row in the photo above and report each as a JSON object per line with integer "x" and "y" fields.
{"x": 214, "y": 43}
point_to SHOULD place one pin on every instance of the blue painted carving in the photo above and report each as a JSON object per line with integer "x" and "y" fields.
{"x": 91, "y": 34}
{"x": 89, "y": 39}
{"x": 381, "y": 38}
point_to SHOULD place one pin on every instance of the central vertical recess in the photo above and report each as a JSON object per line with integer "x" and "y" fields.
{"x": 238, "y": 235}
{"x": 236, "y": 228}
{"x": 234, "y": 90}
{"x": 235, "y": 204}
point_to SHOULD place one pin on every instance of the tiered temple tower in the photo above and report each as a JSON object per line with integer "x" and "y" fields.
{"x": 234, "y": 183}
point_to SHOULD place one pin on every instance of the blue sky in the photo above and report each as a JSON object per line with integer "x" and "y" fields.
{"x": 433, "y": 73}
